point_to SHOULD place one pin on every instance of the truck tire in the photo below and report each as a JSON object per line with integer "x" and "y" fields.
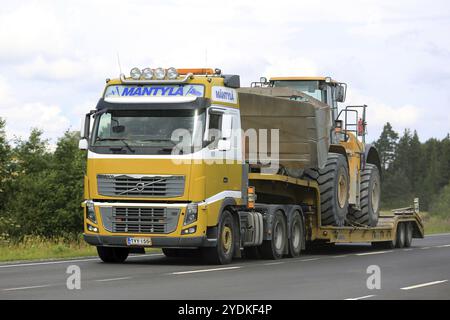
{"x": 401, "y": 235}
{"x": 408, "y": 234}
{"x": 223, "y": 252}
{"x": 296, "y": 238}
{"x": 113, "y": 254}
{"x": 369, "y": 198}
{"x": 333, "y": 182}
{"x": 274, "y": 249}
{"x": 180, "y": 253}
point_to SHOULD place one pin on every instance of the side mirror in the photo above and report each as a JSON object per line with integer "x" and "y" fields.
{"x": 224, "y": 145}
{"x": 83, "y": 144}
{"x": 85, "y": 127}
{"x": 227, "y": 125}
{"x": 340, "y": 93}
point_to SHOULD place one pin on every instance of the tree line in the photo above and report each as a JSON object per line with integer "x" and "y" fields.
{"x": 41, "y": 190}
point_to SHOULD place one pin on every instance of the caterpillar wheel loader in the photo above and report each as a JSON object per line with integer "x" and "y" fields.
{"x": 350, "y": 178}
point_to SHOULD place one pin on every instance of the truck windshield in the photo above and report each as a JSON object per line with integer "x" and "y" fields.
{"x": 310, "y": 87}
{"x": 146, "y": 131}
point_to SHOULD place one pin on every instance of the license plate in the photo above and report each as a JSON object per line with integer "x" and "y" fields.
{"x": 139, "y": 241}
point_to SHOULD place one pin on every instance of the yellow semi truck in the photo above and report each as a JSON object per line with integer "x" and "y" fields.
{"x": 169, "y": 166}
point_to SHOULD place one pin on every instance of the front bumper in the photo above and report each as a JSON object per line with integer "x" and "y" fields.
{"x": 157, "y": 242}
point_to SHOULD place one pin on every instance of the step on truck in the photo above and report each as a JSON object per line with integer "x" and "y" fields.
{"x": 188, "y": 161}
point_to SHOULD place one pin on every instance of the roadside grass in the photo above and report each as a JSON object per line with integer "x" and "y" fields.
{"x": 37, "y": 248}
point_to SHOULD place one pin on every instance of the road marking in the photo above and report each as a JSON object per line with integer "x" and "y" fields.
{"x": 25, "y": 288}
{"x": 69, "y": 261}
{"x": 205, "y": 270}
{"x": 443, "y": 246}
{"x": 424, "y": 285}
{"x": 340, "y": 256}
{"x": 425, "y": 248}
{"x": 371, "y": 253}
{"x": 313, "y": 259}
{"x": 273, "y": 263}
{"x": 113, "y": 279}
{"x": 407, "y": 249}
{"x": 360, "y": 298}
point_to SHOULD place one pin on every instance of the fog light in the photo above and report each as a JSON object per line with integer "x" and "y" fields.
{"x": 92, "y": 228}
{"x": 189, "y": 230}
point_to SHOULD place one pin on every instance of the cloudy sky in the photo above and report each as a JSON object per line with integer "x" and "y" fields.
{"x": 394, "y": 55}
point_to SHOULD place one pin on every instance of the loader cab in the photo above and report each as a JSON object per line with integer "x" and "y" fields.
{"x": 323, "y": 89}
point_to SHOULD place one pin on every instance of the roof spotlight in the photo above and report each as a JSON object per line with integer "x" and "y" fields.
{"x": 147, "y": 73}
{"x": 160, "y": 73}
{"x": 135, "y": 73}
{"x": 172, "y": 73}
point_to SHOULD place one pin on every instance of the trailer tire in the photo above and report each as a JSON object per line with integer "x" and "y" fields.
{"x": 369, "y": 198}
{"x": 408, "y": 234}
{"x": 273, "y": 249}
{"x": 333, "y": 182}
{"x": 113, "y": 254}
{"x": 223, "y": 252}
{"x": 400, "y": 236}
{"x": 296, "y": 238}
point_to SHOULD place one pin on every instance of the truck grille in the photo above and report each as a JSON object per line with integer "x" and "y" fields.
{"x": 140, "y": 219}
{"x": 140, "y": 186}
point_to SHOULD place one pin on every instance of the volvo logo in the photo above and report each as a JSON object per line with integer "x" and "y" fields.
{"x": 140, "y": 186}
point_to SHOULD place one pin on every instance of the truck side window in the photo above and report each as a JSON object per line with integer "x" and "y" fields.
{"x": 214, "y": 129}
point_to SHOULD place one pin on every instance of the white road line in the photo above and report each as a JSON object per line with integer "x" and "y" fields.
{"x": 113, "y": 279}
{"x": 443, "y": 246}
{"x": 371, "y": 253}
{"x": 273, "y": 263}
{"x": 360, "y": 298}
{"x": 69, "y": 261}
{"x": 206, "y": 270}
{"x": 313, "y": 259}
{"x": 340, "y": 256}
{"x": 25, "y": 288}
{"x": 408, "y": 249}
{"x": 425, "y": 248}
{"x": 424, "y": 285}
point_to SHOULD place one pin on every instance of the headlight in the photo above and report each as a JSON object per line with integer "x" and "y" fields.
{"x": 160, "y": 73}
{"x": 135, "y": 73}
{"x": 191, "y": 213}
{"x": 90, "y": 211}
{"x": 172, "y": 73}
{"x": 147, "y": 73}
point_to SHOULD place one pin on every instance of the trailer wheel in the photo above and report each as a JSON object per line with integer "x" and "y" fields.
{"x": 224, "y": 251}
{"x": 370, "y": 193}
{"x": 401, "y": 235}
{"x": 274, "y": 249}
{"x": 113, "y": 254}
{"x": 408, "y": 234}
{"x": 333, "y": 182}
{"x": 296, "y": 236}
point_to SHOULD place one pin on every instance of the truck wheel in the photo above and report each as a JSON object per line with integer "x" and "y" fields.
{"x": 180, "y": 253}
{"x": 297, "y": 236}
{"x": 112, "y": 254}
{"x": 370, "y": 192}
{"x": 333, "y": 182}
{"x": 224, "y": 251}
{"x": 274, "y": 249}
{"x": 408, "y": 234}
{"x": 401, "y": 235}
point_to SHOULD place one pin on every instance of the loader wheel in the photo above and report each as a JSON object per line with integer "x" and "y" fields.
{"x": 333, "y": 182}
{"x": 297, "y": 236}
{"x": 370, "y": 192}
{"x": 274, "y": 249}
{"x": 224, "y": 251}
{"x": 408, "y": 234}
{"x": 112, "y": 254}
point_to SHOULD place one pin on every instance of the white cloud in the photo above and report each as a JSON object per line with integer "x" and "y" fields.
{"x": 57, "y": 69}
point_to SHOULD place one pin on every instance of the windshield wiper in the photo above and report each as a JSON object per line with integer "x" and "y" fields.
{"x": 117, "y": 139}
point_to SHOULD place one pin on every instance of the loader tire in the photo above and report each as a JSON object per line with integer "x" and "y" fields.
{"x": 333, "y": 182}
{"x": 369, "y": 198}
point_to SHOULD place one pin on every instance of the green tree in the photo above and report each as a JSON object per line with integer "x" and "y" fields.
{"x": 5, "y": 159}
{"x": 386, "y": 145}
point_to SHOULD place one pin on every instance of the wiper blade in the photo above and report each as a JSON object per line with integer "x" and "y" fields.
{"x": 117, "y": 139}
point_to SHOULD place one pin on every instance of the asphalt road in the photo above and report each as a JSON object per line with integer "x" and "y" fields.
{"x": 421, "y": 272}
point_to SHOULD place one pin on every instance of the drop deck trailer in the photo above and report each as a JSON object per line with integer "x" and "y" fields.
{"x": 394, "y": 230}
